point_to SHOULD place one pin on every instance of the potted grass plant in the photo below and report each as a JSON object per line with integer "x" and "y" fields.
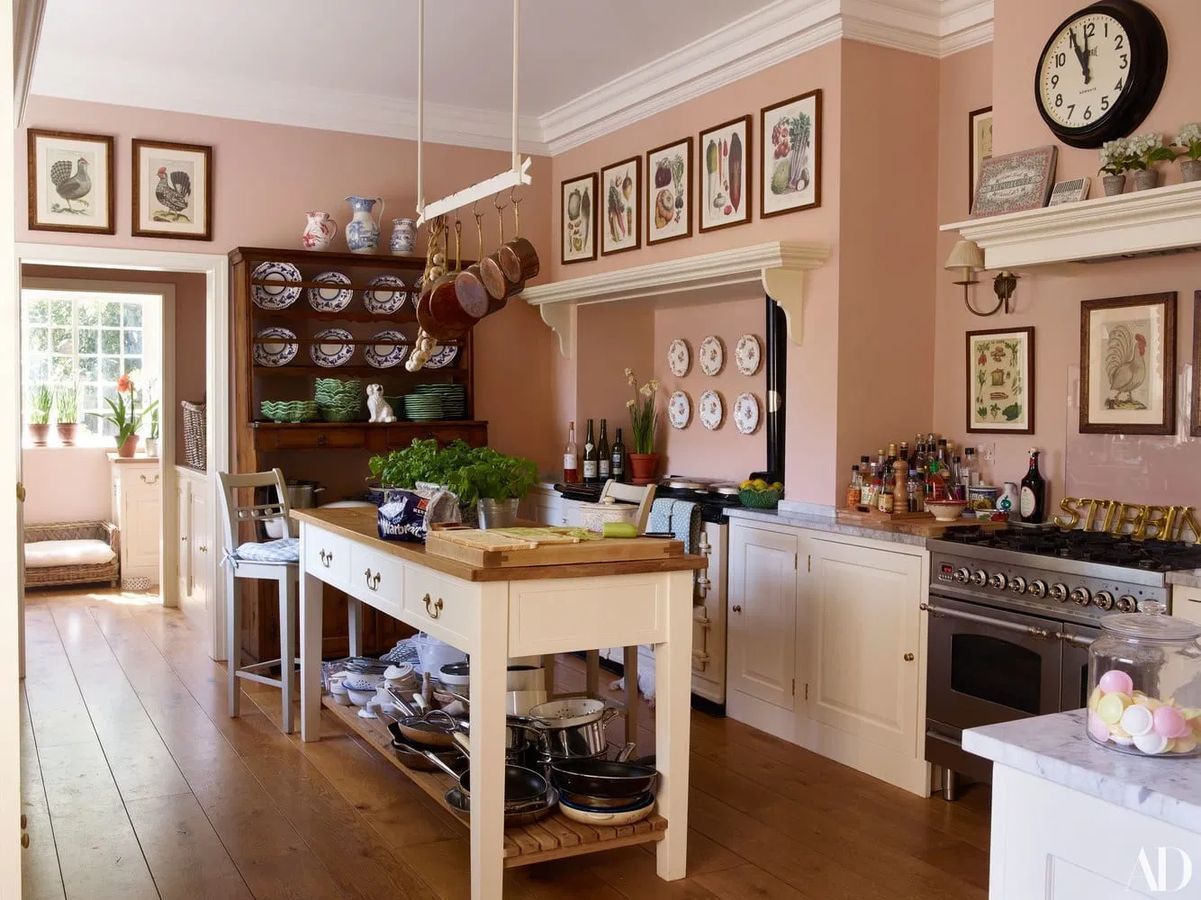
{"x": 41, "y": 402}
{"x": 644, "y": 420}
{"x": 66, "y": 404}
{"x": 152, "y": 441}
{"x": 125, "y": 417}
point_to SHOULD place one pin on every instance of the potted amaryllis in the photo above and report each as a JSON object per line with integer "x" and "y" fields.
{"x": 644, "y": 419}
{"x": 1189, "y": 140}
{"x": 125, "y": 417}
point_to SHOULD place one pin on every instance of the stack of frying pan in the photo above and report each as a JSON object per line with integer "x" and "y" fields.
{"x": 604, "y": 792}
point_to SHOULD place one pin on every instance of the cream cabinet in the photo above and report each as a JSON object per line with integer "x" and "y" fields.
{"x": 196, "y": 530}
{"x": 762, "y": 605}
{"x": 1186, "y": 602}
{"x": 137, "y": 511}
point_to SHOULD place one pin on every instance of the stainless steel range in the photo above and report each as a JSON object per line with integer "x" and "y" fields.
{"x": 1012, "y": 614}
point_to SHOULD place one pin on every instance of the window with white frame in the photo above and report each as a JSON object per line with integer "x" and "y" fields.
{"x": 78, "y": 343}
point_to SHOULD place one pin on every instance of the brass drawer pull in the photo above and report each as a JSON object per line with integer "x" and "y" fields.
{"x": 909, "y": 657}
{"x": 434, "y": 608}
{"x": 149, "y": 482}
{"x": 326, "y": 557}
{"x": 372, "y": 580}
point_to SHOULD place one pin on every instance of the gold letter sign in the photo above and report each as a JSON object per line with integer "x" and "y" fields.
{"x": 1140, "y": 522}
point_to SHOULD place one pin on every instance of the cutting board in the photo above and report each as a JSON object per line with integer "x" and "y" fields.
{"x": 541, "y": 547}
{"x": 923, "y": 524}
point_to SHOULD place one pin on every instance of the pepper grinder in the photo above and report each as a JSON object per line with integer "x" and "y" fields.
{"x": 900, "y": 485}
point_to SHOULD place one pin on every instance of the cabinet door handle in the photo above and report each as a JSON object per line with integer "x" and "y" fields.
{"x": 372, "y": 580}
{"x": 149, "y": 481}
{"x": 204, "y": 549}
{"x": 737, "y": 608}
{"x": 909, "y": 657}
{"x": 432, "y": 608}
{"x": 325, "y": 556}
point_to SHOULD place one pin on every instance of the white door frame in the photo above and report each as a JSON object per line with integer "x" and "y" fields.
{"x": 215, "y": 268}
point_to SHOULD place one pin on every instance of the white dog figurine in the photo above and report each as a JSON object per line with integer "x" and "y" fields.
{"x": 377, "y": 405}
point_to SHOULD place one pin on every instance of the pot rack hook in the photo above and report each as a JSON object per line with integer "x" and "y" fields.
{"x": 516, "y": 201}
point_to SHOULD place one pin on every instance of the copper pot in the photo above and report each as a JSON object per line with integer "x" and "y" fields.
{"x": 439, "y": 310}
{"x": 518, "y": 259}
{"x": 469, "y": 284}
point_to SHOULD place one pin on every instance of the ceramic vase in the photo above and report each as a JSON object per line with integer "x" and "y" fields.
{"x": 1145, "y": 179}
{"x": 1190, "y": 169}
{"x": 1009, "y": 499}
{"x": 319, "y": 231}
{"x": 362, "y": 231}
{"x": 37, "y": 434}
{"x": 643, "y": 467}
{"x": 66, "y": 433}
{"x": 1113, "y": 184}
{"x": 128, "y": 448}
{"x": 404, "y": 236}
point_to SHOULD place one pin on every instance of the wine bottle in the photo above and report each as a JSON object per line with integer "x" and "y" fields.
{"x": 571, "y": 458}
{"x": 591, "y": 469}
{"x": 603, "y": 462}
{"x": 617, "y": 465}
{"x": 1033, "y": 503}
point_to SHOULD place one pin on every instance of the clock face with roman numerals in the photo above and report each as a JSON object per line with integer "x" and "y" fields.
{"x": 1101, "y": 72}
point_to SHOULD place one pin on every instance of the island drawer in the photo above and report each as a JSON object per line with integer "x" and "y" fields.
{"x": 378, "y": 578}
{"x": 328, "y": 556}
{"x": 443, "y": 607}
{"x": 564, "y": 615}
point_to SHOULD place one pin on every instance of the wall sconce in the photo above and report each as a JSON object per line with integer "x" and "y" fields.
{"x": 967, "y": 257}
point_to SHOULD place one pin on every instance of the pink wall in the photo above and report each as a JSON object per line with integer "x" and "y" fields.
{"x": 65, "y": 484}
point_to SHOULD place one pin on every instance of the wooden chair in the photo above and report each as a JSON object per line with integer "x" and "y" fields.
{"x": 642, "y": 495}
{"x": 286, "y": 574}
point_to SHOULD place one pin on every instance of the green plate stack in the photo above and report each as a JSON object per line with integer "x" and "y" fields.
{"x": 423, "y": 407}
{"x": 338, "y": 400}
{"x": 290, "y": 410}
{"x": 453, "y": 397}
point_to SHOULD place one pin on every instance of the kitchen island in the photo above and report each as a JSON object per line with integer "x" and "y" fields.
{"x": 495, "y": 614}
{"x": 1075, "y": 821}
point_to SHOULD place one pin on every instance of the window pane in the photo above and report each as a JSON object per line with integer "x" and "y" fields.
{"x": 110, "y": 371}
{"x": 89, "y": 340}
{"x": 88, "y": 399}
{"x": 62, "y": 369}
{"x": 134, "y": 364}
{"x": 111, "y": 314}
{"x": 61, "y": 341}
{"x": 37, "y": 370}
{"x": 89, "y": 312}
{"x": 89, "y": 368}
{"x": 133, "y": 314}
{"x": 110, "y": 342}
{"x": 133, "y": 341}
{"x": 60, "y": 312}
{"x": 39, "y": 340}
{"x": 38, "y": 311}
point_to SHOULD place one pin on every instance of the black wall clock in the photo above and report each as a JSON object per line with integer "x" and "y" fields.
{"x": 1101, "y": 72}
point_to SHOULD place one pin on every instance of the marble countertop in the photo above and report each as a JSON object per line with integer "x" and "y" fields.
{"x": 1185, "y": 578}
{"x": 1055, "y": 748}
{"x": 830, "y": 523}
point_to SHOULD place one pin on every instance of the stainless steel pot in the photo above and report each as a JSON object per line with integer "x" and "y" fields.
{"x": 580, "y": 742}
{"x": 303, "y": 494}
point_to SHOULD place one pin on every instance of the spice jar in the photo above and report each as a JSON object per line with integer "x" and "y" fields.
{"x": 1145, "y": 678}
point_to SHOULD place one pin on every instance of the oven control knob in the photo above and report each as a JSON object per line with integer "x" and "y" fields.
{"x": 1103, "y": 600}
{"x": 1038, "y": 588}
{"x": 998, "y": 581}
{"x": 1017, "y": 584}
{"x": 1058, "y": 592}
{"x": 979, "y": 578}
{"x": 1127, "y": 604}
{"x": 1081, "y": 596}
{"x": 961, "y": 575}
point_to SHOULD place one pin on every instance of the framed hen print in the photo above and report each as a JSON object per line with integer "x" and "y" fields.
{"x": 1128, "y": 365}
{"x": 172, "y": 190}
{"x": 70, "y": 182}
{"x": 1000, "y": 390}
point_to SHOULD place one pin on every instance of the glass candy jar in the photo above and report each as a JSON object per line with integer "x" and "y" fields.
{"x": 1144, "y": 674}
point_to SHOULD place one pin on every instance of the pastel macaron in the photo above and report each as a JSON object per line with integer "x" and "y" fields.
{"x": 1112, "y": 706}
{"x": 1151, "y": 743}
{"x": 1097, "y": 728}
{"x": 1168, "y": 722}
{"x": 1116, "y": 681}
{"x": 1138, "y": 720}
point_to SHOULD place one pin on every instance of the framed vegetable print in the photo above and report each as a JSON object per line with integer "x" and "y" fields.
{"x": 621, "y": 188}
{"x": 70, "y": 182}
{"x": 724, "y": 173}
{"x": 979, "y": 147}
{"x": 669, "y": 192}
{"x": 577, "y": 198}
{"x": 172, "y": 190}
{"x": 791, "y": 160}
{"x": 1128, "y": 365}
{"x": 1000, "y": 389}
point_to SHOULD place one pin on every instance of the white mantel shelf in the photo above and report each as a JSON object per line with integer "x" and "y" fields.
{"x": 777, "y": 268}
{"x": 1133, "y": 224}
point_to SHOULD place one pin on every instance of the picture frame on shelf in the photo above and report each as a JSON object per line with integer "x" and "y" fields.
{"x": 1015, "y": 182}
{"x": 724, "y": 175}
{"x": 577, "y": 220}
{"x": 1070, "y": 191}
{"x": 669, "y": 192}
{"x": 790, "y": 156}
{"x": 979, "y": 147}
{"x": 70, "y": 182}
{"x": 172, "y": 190}
{"x": 1000, "y": 381}
{"x": 1195, "y": 417}
{"x": 1128, "y": 365}
{"x": 621, "y": 220}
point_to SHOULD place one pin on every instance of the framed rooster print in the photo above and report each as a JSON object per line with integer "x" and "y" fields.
{"x": 1000, "y": 390}
{"x": 1128, "y": 365}
{"x": 172, "y": 190}
{"x": 70, "y": 182}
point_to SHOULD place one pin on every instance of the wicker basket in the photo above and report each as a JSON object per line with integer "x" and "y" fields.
{"x": 194, "y": 434}
{"x": 57, "y": 576}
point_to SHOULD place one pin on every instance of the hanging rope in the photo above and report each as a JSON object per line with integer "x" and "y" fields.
{"x": 420, "y": 105}
{"x": 516, "y": 55}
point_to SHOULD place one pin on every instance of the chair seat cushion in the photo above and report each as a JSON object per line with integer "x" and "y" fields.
{"x": 284, "y": 550}
{"x": 82, "y": 552}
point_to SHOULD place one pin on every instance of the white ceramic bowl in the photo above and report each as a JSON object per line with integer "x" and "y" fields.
{"x": 360, "y": 698}
{"x": 946, "y": 510}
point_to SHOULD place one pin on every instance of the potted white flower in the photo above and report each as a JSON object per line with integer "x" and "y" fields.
{"x": 1146, "y": 150}
{"x": 1189, "y": 140}
{"x": 1116, "y": 161}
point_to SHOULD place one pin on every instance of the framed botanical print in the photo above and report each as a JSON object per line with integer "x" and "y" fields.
{"x": 1000, "y": 389}
{"x": 669, "y": 192}
{"x": 791, "y": 155}
{"x": 172, "y": 190}
{"x": 979, "y": 147}
{"x": 724, "y": 174}
{"x": 70, "y": 182}
{"x": 577, "y": 198}
{"x": 1128, "y": 365}
{"x": 1195, "y": 430}
{"x": 621, "y": 187}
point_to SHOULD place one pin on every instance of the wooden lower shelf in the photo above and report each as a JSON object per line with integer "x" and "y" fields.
{"x": 377, "y": 437}
{"x": 554, "y": 837}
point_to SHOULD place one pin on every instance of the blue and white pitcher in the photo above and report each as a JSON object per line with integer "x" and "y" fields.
{"x": 362, "y": 231}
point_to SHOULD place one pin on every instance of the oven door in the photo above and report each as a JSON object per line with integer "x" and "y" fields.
{"x": 1073, "y": 691}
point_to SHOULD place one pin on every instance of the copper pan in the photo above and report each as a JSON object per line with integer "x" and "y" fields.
{"x": 444, "y": 318}
{"x": 518, "y": 259}
{"x": 469, "y": 284}
{"x": 500, "y": 287}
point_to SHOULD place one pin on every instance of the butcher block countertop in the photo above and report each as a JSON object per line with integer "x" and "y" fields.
{"x": 359, "y": 524}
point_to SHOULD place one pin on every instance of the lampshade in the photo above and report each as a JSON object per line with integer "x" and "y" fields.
{"x": 965, "y": 255}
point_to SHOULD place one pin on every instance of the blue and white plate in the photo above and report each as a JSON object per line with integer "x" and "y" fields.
{"x": 385, "y": 294}
{"x": 329, "y": 349}
{"x": 275, "y": 347}
{"x": 270, "y": 296}
{"x": 386, "y": 355}
{"x": 334, "y": 298}
{"x": 442, "y": 357}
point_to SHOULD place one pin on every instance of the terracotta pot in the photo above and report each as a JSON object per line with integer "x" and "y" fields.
{"x": 129, "y": 448}
{"x": 1145, "y": 179}
{"x": 1114, "y": 184}
{"x": 1190, "y": 169}
{"x": 37, "y": 434}
{"x": 66, "y": 433}
{"x": 643, "y": 467}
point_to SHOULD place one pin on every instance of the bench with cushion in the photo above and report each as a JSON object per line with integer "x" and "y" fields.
{"x": 68, "y": 553}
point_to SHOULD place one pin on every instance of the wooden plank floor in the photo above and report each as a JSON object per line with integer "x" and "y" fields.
{"x": 137, "y": 784}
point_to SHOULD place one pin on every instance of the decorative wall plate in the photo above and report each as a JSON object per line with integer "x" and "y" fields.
{"x": 712, "y": 355}
{"x": 679, "y": 357}
{"x": 270, "y": 296}
{"x": 334, "y": 298}
{"x": 384, "y": 294}
{"x": 746, "y": 413}
{"x": 329, "y": 350}
{"x": 710, "y": 410}
{"x": 748, "y": 354}
{"x": 442, "y": 357}
{"x": 386, "y": 355}
{"x": 275, "y": 353}
{"x": 679, "y": 409}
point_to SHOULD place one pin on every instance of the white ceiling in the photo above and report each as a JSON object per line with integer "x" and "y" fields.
{"x": 352, "y": 65}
